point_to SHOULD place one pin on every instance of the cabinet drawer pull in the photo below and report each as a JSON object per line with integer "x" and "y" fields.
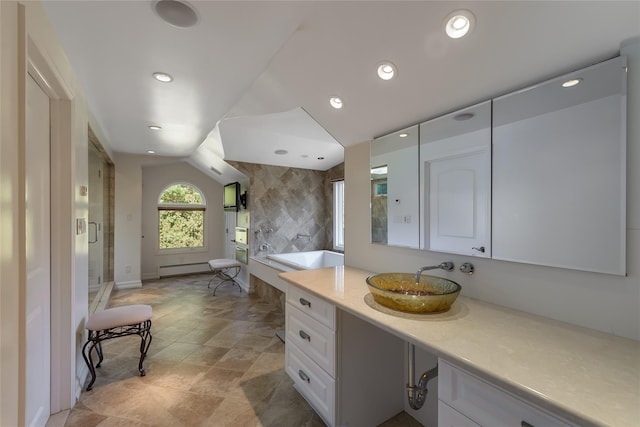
{"x": 304, "y": 335}
{"x": 305, "y": 302}
{"x": 306, "y": 378}
{"x": 523, "y": 423}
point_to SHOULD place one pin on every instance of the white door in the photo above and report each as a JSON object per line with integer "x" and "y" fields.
{"x": 459, "y": 204}
{"x": 38, "y": 251}
{"x": 94, "y": 229}
{"x": 230, "y": 235}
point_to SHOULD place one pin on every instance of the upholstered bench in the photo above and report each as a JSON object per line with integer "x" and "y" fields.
{"x": 114, "y": 323}
{"x": 226, "y": 270}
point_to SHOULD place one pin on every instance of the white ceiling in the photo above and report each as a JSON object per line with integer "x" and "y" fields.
{"x": 263, "y": 71}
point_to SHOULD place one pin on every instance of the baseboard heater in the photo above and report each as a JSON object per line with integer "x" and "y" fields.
{"x": 181, "y": 269}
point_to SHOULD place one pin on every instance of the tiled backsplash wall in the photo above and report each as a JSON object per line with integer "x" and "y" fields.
{"x": 291, "y": 209}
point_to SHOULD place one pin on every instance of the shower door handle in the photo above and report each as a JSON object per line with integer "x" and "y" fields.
{"x": 95, "y": 231}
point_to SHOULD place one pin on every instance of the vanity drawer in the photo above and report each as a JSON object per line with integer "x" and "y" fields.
{"x": 313, "y": 338}
{"x": 449, "y": 417}
{"x": 312, "y": 382}
{"x": 319, "y": 309}
{"x": 485, "y": 403}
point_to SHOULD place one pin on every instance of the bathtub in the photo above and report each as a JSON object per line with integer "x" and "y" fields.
{"x": 309, "y": 260}
{"x": 267, "y": 268}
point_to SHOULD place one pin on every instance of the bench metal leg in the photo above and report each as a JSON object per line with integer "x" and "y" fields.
{"x": 145, "y": 342}
{"x": 96, "y": 338}
{"x": 225, "y": 277}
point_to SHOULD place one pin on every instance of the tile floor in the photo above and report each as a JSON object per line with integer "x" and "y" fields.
{"x": 213, "y": 361}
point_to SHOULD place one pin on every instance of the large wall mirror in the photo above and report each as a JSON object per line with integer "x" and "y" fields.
{"x": 559, "y": 171}
{"x": 536, "y": 176}
{"x": 394, "y": 189}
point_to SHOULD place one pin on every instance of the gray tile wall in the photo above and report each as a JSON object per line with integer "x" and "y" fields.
{"x": 286, "y": 202}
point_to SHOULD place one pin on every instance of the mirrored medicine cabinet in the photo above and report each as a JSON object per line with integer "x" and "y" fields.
{"x": 394, "y": 189}
{"x": 536, "y": 176}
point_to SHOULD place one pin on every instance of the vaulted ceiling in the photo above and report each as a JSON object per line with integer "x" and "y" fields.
{"x": 254, "y": 77}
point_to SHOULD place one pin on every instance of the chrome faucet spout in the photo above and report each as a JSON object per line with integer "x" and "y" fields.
{"x": 446, "y": 266}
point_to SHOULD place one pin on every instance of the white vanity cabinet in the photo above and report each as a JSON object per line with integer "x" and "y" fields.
{"x": 349, "y": 371}
{"x": 310, "y": 351}
{"x": 465, "y": 399}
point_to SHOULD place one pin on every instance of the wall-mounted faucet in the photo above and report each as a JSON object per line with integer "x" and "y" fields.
{"x": 467, "y": 268}
{"x": 265, "y": 247}
{"x": 446, "y": 266}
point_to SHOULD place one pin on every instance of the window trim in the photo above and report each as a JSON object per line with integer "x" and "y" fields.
{"x": 196, "y": 207}
{"x": 338, "y": 212}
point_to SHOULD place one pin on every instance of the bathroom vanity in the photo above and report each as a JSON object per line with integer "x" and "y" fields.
{"x": 497, "y": 366}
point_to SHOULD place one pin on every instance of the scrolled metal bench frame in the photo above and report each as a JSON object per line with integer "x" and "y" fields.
{"x": 221, "y": 269}
{"x": 95, "y": 339}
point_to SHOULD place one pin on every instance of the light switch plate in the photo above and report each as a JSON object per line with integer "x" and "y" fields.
{"x": 81, "y": 226}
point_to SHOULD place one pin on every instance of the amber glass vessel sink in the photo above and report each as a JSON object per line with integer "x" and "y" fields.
{"x": 399, "y": 291}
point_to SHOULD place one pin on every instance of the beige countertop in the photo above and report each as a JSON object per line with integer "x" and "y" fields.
{"x": 585, "y": 376}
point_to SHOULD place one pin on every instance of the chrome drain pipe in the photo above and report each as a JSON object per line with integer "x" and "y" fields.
{"x": 417, "y": 394}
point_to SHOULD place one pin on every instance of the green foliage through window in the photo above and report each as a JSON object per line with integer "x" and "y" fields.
{"x": 181, "y": 217}
{"x": 181, "y": 194}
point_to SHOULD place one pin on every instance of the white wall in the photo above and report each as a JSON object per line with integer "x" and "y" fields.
{"x": 603, "y": 302}
{"x": 154, "y": 180}
{"x": 9, "y": 244}
{"x": 26, "y": 33}
{"x": 127, "y": 221}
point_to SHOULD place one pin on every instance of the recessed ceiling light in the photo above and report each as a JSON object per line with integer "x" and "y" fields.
{"x": 463, "y": 116}
{"x": 151, "y": 152}
{"x": 154, "y": 127}
{"x": 403, "y": 135}
{"x": 177, "y": 13}
{"x": 572, "y": 82}
{"x": 281, "y": 152}
{"x": 459, "y": 23}
{"x": 386, "y": 70}
{"x": 163, "y": 77}
{"x": 336, "y": 102}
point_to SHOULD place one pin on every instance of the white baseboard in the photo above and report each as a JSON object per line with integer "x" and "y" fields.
{"x": 81, "y": 379}
{"x": 128, "y": 285}
{"x": 179, "y": 270}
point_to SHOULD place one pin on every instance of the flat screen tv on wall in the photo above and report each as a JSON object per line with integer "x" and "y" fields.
{"x": 232, "y": 196}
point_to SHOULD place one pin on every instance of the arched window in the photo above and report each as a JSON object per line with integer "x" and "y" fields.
{"x": 181, "y": 209}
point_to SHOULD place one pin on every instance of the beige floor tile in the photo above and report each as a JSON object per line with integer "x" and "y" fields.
{"x": 206, "y": 355}
{"x": 268, "y": 362}
{"x": 213, "y": 361}
{"x": 176, "y": 351}
{"x": 217, "y": 382}
{"x": 238, "y": 359}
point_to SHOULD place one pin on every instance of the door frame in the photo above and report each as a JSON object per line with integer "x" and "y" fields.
{"x": 63, "y": 212}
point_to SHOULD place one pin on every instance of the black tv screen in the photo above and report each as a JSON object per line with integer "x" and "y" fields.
{"x": 231, "y": 193}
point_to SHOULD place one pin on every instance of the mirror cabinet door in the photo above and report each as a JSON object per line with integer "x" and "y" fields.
{"x": 559, "y": 171}
{"x": 455, "y": 182}
{"x": 394, "y": 189}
